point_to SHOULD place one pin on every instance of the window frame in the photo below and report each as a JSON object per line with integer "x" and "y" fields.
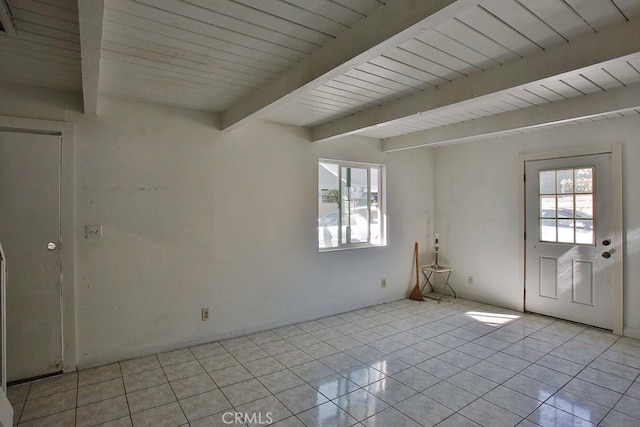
{"x": 381, "y": 205}
{"x": 575, "y": 219}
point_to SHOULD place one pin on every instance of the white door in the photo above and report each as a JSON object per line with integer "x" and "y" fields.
{"x": 569, "y": 239}
{"x": 30, "y": 235}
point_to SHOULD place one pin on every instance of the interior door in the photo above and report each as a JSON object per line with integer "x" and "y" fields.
{"x": 569, "y": 239}
{"x": 30, "y": 235}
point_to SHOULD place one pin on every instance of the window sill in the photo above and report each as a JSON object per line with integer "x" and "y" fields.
{"x": 350, "y": 248}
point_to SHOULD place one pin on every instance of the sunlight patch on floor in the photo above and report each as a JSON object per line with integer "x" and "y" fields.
{"x": 492, "y": 319}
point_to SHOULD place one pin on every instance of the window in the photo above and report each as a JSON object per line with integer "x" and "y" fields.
{"x": 350, "y": 205}
{"x": 566, "y": 205}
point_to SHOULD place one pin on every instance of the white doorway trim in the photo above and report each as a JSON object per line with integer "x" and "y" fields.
{"x": 65, "y": 130}
{"x": 618, "y": 268}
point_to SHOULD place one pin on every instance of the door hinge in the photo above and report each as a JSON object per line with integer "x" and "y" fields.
{"x": 525, "y": 235}
{"x": 524, "y": 178}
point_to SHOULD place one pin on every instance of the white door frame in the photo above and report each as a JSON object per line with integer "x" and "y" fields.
{"x": 65, "y": 131}
{"x": 617, "y": 279}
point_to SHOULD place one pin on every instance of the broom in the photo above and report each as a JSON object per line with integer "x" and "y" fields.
{"x": 416, "y": 293}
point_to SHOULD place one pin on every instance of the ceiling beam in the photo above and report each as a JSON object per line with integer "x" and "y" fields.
{"x": 592, "y": 51}
{"x": 90, "y": 14}
{"x": 6, "y": 18}
{"x": 387, "y": 27}
{"x": 584, "y": 107}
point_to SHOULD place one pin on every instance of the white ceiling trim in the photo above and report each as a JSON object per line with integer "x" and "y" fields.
{"x": 621, "y": 40}
{"x": 90, "y": 14}
{"x": 584, "y": 107}
{"x": 387, "y": 27}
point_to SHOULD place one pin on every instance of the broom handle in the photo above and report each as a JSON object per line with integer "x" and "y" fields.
{"x": 415, "y": 251}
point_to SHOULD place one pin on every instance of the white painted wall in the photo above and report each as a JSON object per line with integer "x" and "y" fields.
{"x": 477, "y": 208}
{"x": 195, "y": 218}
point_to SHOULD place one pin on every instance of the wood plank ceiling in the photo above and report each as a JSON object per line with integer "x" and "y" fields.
{"x": 410, "y": 72}
{"x": 208, "y": 54}
{"x": 46, "y": 52}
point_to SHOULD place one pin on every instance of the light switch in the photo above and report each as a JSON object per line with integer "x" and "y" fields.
{"x": 93, "y": 232}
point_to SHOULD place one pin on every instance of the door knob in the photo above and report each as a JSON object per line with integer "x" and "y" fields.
{"x": 606, "y": 254}
{"x": 51, "y": 246}
{"x": 606, "y": 242}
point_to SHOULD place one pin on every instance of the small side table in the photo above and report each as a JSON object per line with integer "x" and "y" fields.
{"x": 428, "y": 272}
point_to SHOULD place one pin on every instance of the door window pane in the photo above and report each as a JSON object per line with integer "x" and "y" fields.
{"x": 548, "y": 182}
{"x": 584, "y": 180}
{"x": 584, "y": 205}
{"x": 548, "y": 230}
{"x": 584, "y": 231}
{"x": 548, "y": 206}
{"x": 565, "y": 231}
{"x": 565, "y": 181}
{"x": 565, "y": 206}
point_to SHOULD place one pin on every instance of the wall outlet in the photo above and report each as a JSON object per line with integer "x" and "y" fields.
{"x": 93, "y": 232}
{"x": 205, "y": 314}
{"x": 383, "y": 283}
{"x": 470, "y": 280}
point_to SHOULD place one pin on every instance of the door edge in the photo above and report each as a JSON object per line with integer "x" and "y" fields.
{"x": 618, "y": 238}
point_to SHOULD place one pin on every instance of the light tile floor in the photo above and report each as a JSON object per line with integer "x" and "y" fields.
{"x": 407, "y": 363}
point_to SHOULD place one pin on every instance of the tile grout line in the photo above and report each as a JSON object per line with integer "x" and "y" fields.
{"x": 184, "y": 414}
{"x": 24, "y": 405}
{"x": 75, "y": 414}
{"x": 126, "y": 395}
